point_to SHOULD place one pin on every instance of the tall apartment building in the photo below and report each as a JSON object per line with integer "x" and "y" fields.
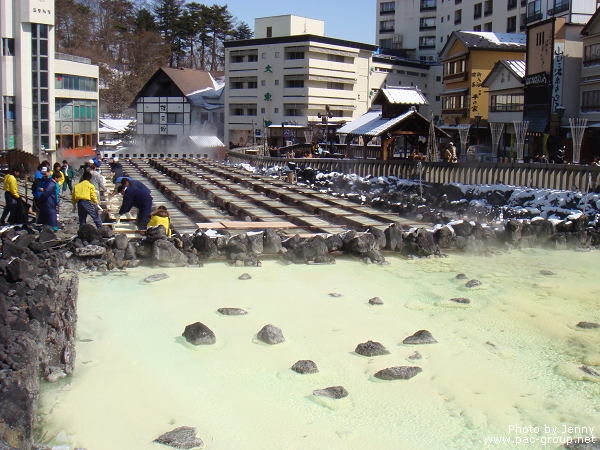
{"x": 288, "y": 76}
{"x": 49, "y": 100}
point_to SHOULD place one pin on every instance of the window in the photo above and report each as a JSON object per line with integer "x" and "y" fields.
{"x": 175, "y": 118}
{"x": 386, "y": 26}
{"x": 252, "y": 84}
{"x": 237, "y": 85}
{"x": 534, "y": 11}
{"x": 511, "y": 24}
{"x": 276, "y": 111}
{"x": 269, "y": 31}
{"x": 454, "y": 67}
{"x": 477, "y": 28}
{"x": 387, "y": 8}
{"x": 506, "y": 102}
{"x": 454, "y": 102}
{"x": 262, "y": 110}
{"x": 539, "y": 39}
{"x": 294, "y": 84}
{"x": 8, "y": 47}
{"x": 457, "y": 2}
{"x": 276, "y": 82}
{"x": 487, "y": 26}
{"x": 591, "y": 55}
{"x": 252, "y": 111}
{"x": 559, "y": 6}
{"x": 438, "y": 79}
{"x": 428, "y": 5}
{"x": 488, "y": 8}
{"x": 294, "y": 55}
{"x": 437, "y": 98}
{"x": 292, "y": 109}
{"x": 457, "y": 16}
{"x": 512, "y": 4}
{"x": 590, "y": 101}
{"x": 426, "y": 42}
{"x": 336, "y": 86}
{"x": 276, "y": 54}
{"x": 336, "y": 58}
{"x": 477, "y": 9}
{"x": 385, "y": 43}
{"x": 237, "y": 112}
{"x": 237, "y": 59}
{"x": 264, "y": 56}
{"x": 427, "y": 23}
{"x": 442, "y": 19}
{"x": 149, "y": 118}
{"x": 263, "y": 82}
{"x": 252, "y": 58}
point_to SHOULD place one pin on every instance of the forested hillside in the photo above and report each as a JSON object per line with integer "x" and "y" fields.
{"x": 130, "y": 39}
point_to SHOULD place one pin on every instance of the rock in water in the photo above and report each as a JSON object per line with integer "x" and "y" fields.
{"x": 398, "y": 373}
{"x": 245, "y": 276}
{"x": 199, "y": 334}
{"x": 270, "y": 334}
{"x": 415, "y": 355}
{"x": 547, "y": 272}
{"x": 590, "y": 371}
{"x": 334, "y": 294}
{"x": 588, "y": 325}
{"x": 371, "y": 348}
{"x": 420, "y": 337}
{"x": 90, "y": 250}
{"x": 376, "y": 301}
{"x": 473, "y": 283}
{"x": 232, "y": 311}
{"x": 305, "y": 366}
{"x": 156, "y": 277}
{"x": 336, "y": 392}
{"x": 182, "y": 438}
{"x": 461, "y": 276}
{"x": 460, "y": 300}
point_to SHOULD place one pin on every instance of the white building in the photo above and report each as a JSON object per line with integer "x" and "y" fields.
{"x": 175, "y": 104}
{"x": 289, "y": 74}
{"x": 49, "y": 100}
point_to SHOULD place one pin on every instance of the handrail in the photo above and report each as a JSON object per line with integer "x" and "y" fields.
{"x": 536, "y": 175}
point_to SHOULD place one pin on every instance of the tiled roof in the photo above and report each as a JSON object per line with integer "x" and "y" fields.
{"x": 190, "y": 81}
{"x": 404, "y": 95}
{"x": 206, "y": 141}
{"x": 518, "y": 67}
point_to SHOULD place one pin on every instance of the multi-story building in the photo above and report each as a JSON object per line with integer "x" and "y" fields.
{"x": 175, "y": 104}
{"x": 49, "y": 100}
{"x": 590, "y": 85}
{"x": 468, "y": 58}
{"x": 554, "y": 50}
{"x": 291, "y": 78}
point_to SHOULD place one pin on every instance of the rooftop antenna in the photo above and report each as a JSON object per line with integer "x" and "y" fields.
{"x": 304, "y": 27}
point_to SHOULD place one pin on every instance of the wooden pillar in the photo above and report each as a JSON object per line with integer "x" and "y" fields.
{"x": 364, "y": 148}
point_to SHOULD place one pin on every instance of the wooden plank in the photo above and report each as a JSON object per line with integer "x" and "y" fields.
{"x": 210, "y": 226}
{"x": 254, "y": 225}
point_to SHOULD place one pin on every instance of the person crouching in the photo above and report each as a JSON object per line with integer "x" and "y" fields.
{"x": 85, "y": 200}
{"x": 161, "y": 217}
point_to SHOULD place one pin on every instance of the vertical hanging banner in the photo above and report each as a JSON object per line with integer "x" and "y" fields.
{"x": 557, "y": 75}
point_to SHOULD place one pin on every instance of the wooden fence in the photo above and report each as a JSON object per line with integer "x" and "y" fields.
{"x": 24, "y": 160}
{"x": 551, "y": 176}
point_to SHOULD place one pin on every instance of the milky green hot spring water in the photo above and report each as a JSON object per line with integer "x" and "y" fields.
{"x": 506, "y": 366}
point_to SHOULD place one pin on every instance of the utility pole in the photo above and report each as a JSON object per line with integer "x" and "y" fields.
{"x": 325, "y": 119}
{"x": 253, "y": 136}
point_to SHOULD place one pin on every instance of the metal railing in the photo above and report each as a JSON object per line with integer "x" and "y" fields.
{"x": 78, "y": 59}
{"x": 550, "y": 176}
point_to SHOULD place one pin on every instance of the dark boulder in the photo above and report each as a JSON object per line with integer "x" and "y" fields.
{"x": 271, "y": 242}
{"x": 232, "y": 311}
{"x": 121, "y": 241}
{"x": 375, "y": 301}
{"x": 588, "y": 325}
{"x": 512, "y": 231}
{"x": 420, "y": 337}
{"x": 334, "y": 243}
{"x": 547, "y": 272}
{"x": 308, "y": 250}
{"x": 164, "y": 254}
{"x": 420, "y": 243}
{"x": 363, "y": 243}
{"x": 305, "y": 366}
{"x": 543, "y": 229}
{"x": 461, "y": 276}
{"x": 270, "y": 334}
{"x": 398, "y": 373}
{"x": 156, "y": 277}
{"x": 473, "y": 283}
{"x": 245, "y": 276}
{"x": 393, "y": 237}
{"x": 143, "y": 249}
{"x": 181, "y": 438}
{"x": 237, "y": 244}
{"x": 445, "y": 237}
{"x": 89, "y": 233}
{"x": 205, "y": 246}
{"x": 335, "y": 392}
{"x": 255, "y": 243}
{"x": 157, "y": 233}
{"x": 380, "y": 239}
{"x": 463, "y": 228}
{"x": 20, "y": 269}
{"x": 462, "y": 300}
{"x": 199, "y": 334}
{"x": 371, "y": 348}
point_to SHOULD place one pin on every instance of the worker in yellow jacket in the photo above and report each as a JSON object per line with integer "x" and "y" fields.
{"x": 61, "y": 179}
{"x": 161, "y": 217}
{"x": 85, "y": 199}
{"x": 11, "y": 194}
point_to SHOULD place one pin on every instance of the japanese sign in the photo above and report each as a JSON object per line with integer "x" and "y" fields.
{"x": 557, "y": 74}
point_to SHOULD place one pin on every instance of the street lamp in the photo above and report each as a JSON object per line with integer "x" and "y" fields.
{"x": 325, "y": 119}
{"x": 477, "y": 121}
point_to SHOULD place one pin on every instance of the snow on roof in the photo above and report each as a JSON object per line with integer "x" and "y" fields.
{"x": 487, "y": 39}
{"x": 351, "y": 127}
{"x": 518, "y": 67}
{"x": 114, "y": 125}
{"x": 206, "y": 141}
{"x": 404, "y": 95}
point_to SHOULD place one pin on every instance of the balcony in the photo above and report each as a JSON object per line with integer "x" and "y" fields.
{"x": 386, "y": 30}
{"x": 455, "y": 77}
{"x": 512, "y": 4}
{"x": 533, "y": 17}
{"x": 454, "y": 113}
{"x": 558, "y": 8}
{"x": 426, "y": 46}
{"x": 591, "y": 62}
{"x": 387, "y": 12}
{"x": 428, "y": 5}
{"x": 423, "y": 27}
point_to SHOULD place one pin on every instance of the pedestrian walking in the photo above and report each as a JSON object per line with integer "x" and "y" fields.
{"x": 11, "y": 196}
{"x": 48, "y": 200}
{"x": 69, "y": 174}
{"x": 84, "y": 199}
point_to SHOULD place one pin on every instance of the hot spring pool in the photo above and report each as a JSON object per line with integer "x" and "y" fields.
{"x": 504, "y": 364}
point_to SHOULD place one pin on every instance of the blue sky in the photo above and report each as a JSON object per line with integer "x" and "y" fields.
{"x": 353, "y": 20}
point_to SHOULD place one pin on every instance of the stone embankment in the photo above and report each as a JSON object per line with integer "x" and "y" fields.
{"x": 38, "y": 282}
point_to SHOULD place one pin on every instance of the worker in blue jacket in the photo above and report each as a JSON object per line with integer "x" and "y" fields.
{"x": 139, "y": 199}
